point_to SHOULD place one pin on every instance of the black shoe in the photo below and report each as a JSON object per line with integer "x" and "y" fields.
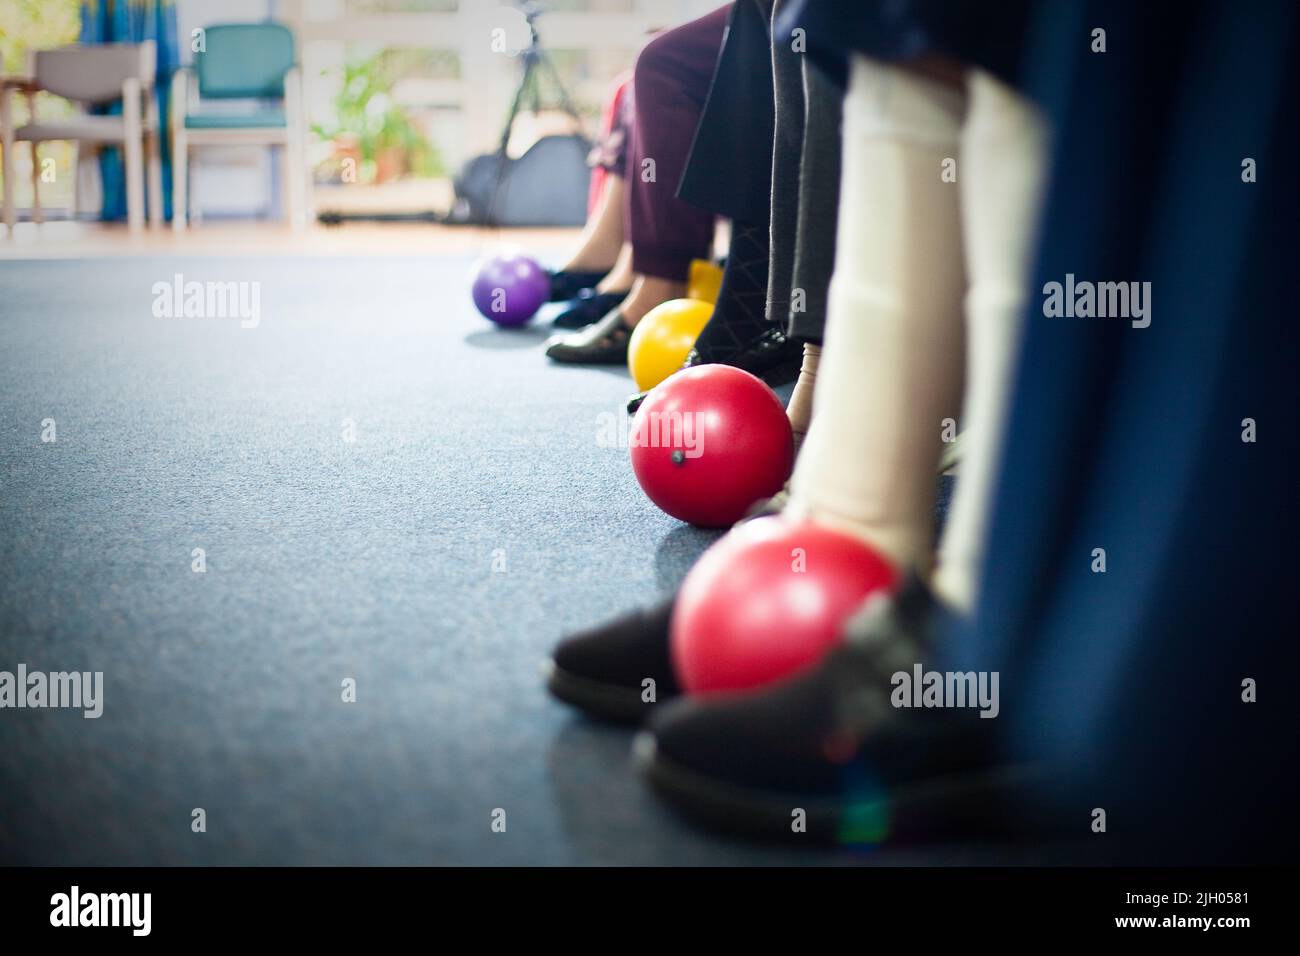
{"x": 567, "y": 285}
{"x": 772, "y": 356}
{"x": 603, "y": 671}
{"x": 586, "y": 307}
{"x": 830, "y": 743}
{"x": 601, "y": 343}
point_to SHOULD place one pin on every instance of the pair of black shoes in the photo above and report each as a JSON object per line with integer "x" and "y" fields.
{"x": 771, "y": 356}
{"x": 824, "y": 756}
{"x": 587, "y": 307}
{"x": 601, "y": 335}
{"x": 583, "y": 305}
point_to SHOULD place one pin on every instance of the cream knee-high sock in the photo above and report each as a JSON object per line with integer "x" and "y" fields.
{"x": 1001, "y": 174}
{"x": 891, "y": 364}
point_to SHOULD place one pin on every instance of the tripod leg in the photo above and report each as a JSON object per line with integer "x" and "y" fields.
{"x": 492, "y": 214}
{"x": 544, "y": 61}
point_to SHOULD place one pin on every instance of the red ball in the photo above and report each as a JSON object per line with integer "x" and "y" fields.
{"x": 710, "y": 441}
{"x": 768, "y": 600}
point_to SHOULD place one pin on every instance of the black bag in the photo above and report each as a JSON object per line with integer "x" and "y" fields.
{"x": 546, "y": 186}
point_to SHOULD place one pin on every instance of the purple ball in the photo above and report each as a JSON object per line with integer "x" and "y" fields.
{"x": 509, "y": 289}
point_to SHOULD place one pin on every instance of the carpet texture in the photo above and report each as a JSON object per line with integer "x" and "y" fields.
{"x": 479, "y": 513}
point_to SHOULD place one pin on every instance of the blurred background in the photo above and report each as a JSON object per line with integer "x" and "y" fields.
{"x": 407, "y": 90}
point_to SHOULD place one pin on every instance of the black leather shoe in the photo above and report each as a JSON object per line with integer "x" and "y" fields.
{"x": 772, "y": 356}
{"x": 567, "y": 285}
{"x": 604, "y": 671}
{"x": 826, "y": 756}
{"x": 601, "y": 343}
{"x": 586, "y": 307}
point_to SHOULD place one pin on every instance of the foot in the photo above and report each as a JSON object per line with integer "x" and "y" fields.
{"x": 568, "y": 283}
{"x": 771, "y": 355}
{"x": 604, "y": 671}
{"x": 586, "y": 307}
{"x": 601, "y": 343}
{"x": 831, "y": 744}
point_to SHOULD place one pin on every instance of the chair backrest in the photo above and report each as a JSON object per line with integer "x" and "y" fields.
{"x": 244, "y": 60}
{"x": 95, "y": 73}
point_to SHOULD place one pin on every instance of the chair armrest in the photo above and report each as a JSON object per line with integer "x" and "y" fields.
{"x": 23, "y": 83}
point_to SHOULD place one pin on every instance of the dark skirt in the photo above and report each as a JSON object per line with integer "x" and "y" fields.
{"x": 730, "y": 168}
{"x": 989, "y": 35}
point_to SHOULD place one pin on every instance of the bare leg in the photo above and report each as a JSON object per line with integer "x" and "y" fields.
{"x": 602, "y": 237}
{"x": 621, "y": 276}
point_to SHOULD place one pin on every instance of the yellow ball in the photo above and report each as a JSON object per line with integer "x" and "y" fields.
{"x": 704, "y": 281}
{"x": 662, "y": 339}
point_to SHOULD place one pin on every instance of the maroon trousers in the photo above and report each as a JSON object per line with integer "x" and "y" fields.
{"x": 669, "y": 86}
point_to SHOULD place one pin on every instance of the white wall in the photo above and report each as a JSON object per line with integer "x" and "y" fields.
{"x": 243, "y": 181}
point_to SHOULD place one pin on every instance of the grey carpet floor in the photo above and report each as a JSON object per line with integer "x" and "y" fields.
{"x": 477, "y": 517}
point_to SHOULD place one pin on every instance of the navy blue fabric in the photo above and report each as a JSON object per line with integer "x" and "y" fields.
{"x": 991, "y": 35}
{"x": 1129, "y": 439}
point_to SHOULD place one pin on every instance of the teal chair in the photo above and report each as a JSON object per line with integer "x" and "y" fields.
{"x": 241, "y": 61}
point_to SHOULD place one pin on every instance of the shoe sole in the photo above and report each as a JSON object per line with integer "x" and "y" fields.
{"x": 607, "y": 702}
{"x": 959, "y": 804}
{"x": 568, "y": 358}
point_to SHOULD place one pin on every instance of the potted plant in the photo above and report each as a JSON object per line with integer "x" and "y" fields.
{"x": 373, "y": 129}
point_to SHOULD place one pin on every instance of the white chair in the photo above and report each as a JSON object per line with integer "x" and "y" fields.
{"x": 91, "y": 75}
{"x": 241, "y": 61}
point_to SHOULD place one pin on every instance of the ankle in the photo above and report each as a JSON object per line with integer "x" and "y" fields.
{"x": 618, "y": 280}
{"x": 648, "y": 292}
{"x": 621, "y": 276}
{"x": 902, "y": 543}
{"x": 801, "y": 399}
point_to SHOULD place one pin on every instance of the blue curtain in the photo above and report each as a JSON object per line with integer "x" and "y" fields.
{"x": 131, "y": 21}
